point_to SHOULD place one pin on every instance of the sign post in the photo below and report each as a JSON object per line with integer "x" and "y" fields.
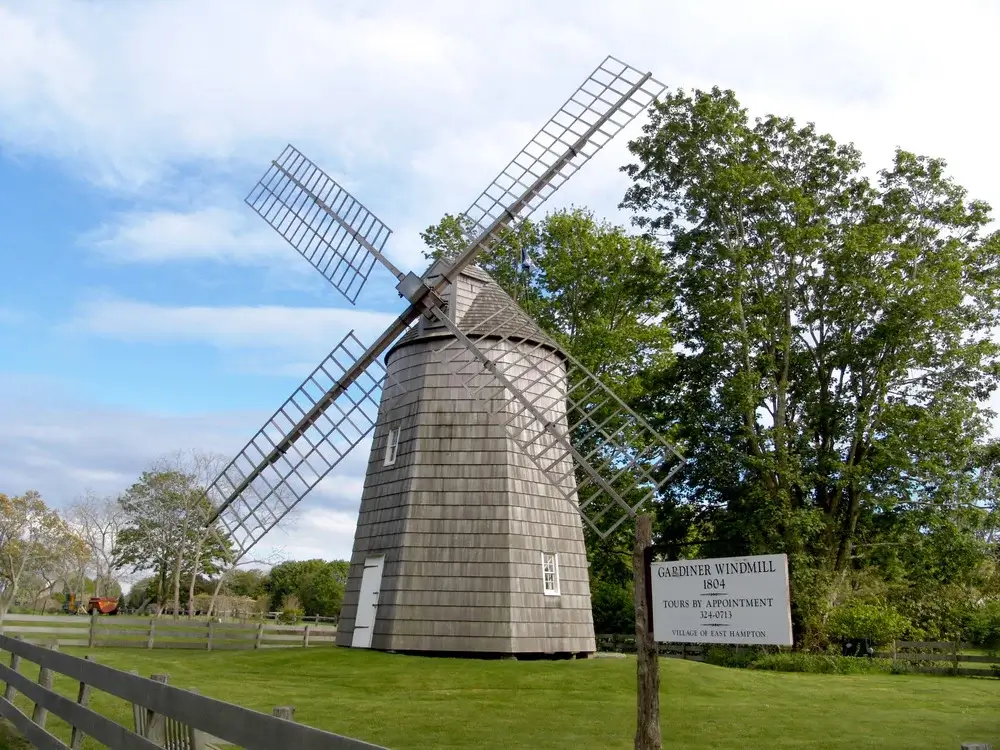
{"x": 647, "y": 665}
{"x": 728, "y": 600}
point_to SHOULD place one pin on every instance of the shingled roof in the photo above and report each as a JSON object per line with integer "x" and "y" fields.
{"x": 491, "y": 300}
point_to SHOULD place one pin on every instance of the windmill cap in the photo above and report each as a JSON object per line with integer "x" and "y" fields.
{"x": 482, "y": 317}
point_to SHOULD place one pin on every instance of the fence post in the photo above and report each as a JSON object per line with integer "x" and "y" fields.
{"x": 894, "y": 649}
{"x": 92, "y": 639}
{"x": 155, "y": 728}
{"x": 305, "y": 636}
{"x": 260, "y": 634}
{"x": 152, "y": 633}
{"x": 196, "y": 738}
{"x": 284, "y": 712}
{"x": 209, "y": 646}
{"x": 39, "y": 714}
{"x": 137, "y": 711}
{"x": 83, "y": 699}
{"x": 15, "y": 664}
{"x": 954, "y": 656}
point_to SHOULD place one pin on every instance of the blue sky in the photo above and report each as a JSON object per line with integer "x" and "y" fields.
{"x": 145, "y": 309}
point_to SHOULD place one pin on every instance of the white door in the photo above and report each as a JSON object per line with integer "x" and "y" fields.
{"x": 364, "y": 621}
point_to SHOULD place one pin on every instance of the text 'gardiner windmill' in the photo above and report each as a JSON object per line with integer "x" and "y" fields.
{"x": 491, "y": 444}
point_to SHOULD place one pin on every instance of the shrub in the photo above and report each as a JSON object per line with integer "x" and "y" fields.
{"x": 613, "y": 608}
{"x": 983, "y": 626}
{"x": 938, "y": 613}
{"x": 876, "y": 621}
{"x": 291, "y": 610}
{"x": 730, "y": 656}
{"x": 798, "y": 661}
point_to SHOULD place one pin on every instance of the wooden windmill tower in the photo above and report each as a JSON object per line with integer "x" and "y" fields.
{"x": 491, "y": 446}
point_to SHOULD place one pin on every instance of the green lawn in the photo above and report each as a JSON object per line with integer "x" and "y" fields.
{"x": 412, "y": 702}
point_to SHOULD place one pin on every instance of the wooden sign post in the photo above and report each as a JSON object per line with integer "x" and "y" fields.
{"x": 647, "y": 729}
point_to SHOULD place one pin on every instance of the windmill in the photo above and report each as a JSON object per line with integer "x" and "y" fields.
{"x": 492, "y": 446}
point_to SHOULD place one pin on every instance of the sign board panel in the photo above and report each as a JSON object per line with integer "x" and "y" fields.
{"x": 738, "y": 600}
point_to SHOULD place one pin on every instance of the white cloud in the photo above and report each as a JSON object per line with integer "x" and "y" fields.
{"x": 212, "y": 233}
{"x": 419, "y": 103}
{"x": 108, "y": 84}
{"x": 294, "y": 331}
{"x": 317, "y": 533}
{"x": 10, "y": 317}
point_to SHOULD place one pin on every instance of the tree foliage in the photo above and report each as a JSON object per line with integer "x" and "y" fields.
{"x": 316, "y": 585}
{"x": 164, "y": 531}
{"x": 834, "y": 332}
{"x": 37, "y": 547}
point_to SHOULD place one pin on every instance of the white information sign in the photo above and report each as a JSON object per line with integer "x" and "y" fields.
{"x": 738, "y": 600}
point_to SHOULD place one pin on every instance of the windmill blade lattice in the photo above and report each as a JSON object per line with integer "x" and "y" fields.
{"x": 608, "y": 100}
{"x": 331, "y": 229}
{"x": 597, "y": 452}
{"x": 307, "y": 437}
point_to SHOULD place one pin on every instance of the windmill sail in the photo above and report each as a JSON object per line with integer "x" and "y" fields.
{"x": 340, "y": 237}
{"x": 300, "y": 444}
{"x": 608, "y": 100}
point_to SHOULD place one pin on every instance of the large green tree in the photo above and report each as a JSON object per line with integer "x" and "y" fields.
{"x": 834, "y": 332}
{"x": 164, "y": 531}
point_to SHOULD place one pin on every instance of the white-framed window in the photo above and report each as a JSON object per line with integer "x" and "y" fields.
{"x": 550, "y": 574}
{"x": 391, "y": 445}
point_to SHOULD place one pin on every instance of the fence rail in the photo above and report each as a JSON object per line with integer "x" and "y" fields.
{"x": 114, "y": 631}
{"x": 625, "y": 644}
{"x": 932, "y": 657}
{"x": 155, "y": 701}
{"x": 942, "y": 657}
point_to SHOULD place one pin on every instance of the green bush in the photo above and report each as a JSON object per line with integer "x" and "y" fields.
{"x": 613, "y": 608}
{"x": 730, "y": 656}
{"x": 291, "y": 610}
{"x": 937, "y": 613}
{"x": 797, "y": 661}
{"x": 983, "y": 626}
{"x": 876, "y": 621}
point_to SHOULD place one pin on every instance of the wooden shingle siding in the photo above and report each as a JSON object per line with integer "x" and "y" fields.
{"x": 462, "y": 516}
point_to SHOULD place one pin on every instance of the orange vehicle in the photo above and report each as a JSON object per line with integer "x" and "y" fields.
{"x": 102, "y": 605}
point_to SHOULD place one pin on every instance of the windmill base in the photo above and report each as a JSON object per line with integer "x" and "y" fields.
{"x": 560, "y": 656}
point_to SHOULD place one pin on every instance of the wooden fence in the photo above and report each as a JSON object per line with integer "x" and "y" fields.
{"x": 942, "y": 657}
{"x": 115, "y": 631}
{"x": 932, "y": 657}
{"x": 625, "y": 644}
{"x": 163, "y": 715}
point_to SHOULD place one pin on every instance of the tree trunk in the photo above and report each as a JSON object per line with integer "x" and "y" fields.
{"x": 178, "y": 562}
{"x": 194, "y": 573}
{"x": 647, "y": 730}
{"x": 215, "y": 593}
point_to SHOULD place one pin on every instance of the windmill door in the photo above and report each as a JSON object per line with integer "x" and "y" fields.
{"x": 364, "y": 622}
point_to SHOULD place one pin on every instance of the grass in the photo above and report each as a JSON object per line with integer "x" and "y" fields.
{"x": 415, "y": 702}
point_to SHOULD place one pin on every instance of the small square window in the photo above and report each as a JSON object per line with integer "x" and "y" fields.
{"x": 550, "y": 574}
{"x": 391, "y": 445}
